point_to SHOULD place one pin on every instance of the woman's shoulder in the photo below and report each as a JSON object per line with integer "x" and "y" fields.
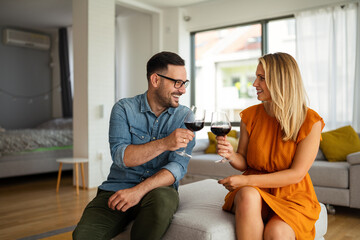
{"x": 250, "y": 115}
{"x": 312, "y": 117}
{"x": 251, "y": 109}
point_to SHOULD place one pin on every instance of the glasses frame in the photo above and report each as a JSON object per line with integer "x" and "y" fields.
{"x": 176, "y": 81}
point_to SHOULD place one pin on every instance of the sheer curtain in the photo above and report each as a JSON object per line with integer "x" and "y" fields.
{"x": 326, "y": 53}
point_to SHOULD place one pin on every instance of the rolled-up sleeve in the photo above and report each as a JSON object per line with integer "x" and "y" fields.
{"x": 119, "y": 134}
{"x": 177, "y": 164}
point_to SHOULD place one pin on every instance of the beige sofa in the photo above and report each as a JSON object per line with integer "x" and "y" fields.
{"x": 336, "y": 183}
{"x": 200, "y": 217}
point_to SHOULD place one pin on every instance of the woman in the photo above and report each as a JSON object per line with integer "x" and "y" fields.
{"x": 274, "y": 198}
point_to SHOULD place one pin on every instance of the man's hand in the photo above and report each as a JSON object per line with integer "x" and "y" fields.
{"x": 178, "y": 139}
{"x": 124, "y": 199}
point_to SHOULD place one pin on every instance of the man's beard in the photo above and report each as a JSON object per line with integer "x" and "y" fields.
{"x": 166, "y": 101}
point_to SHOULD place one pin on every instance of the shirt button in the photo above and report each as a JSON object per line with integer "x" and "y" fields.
{"x": 157, "y": 120}
{"x": 154, "y": 138}
{"x": 142, "y": 137}
{"x": 147, "y": 171}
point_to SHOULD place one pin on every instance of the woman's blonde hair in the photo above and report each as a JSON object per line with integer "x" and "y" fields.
{"x": 283, "y": 79}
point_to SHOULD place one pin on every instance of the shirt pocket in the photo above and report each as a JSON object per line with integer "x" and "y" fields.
{"x": 138, "y": 136}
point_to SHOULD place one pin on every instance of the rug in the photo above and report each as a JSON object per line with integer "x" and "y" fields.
{"x": 59, "y": 234}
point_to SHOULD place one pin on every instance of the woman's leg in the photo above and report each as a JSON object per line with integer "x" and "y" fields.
{"x": 249, "y": 213}
{"x": 276, "y": 228}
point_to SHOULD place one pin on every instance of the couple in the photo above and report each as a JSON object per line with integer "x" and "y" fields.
{"x": 274, "y": 198}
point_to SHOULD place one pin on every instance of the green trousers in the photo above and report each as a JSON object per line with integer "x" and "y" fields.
{"x": 152, "y": 216}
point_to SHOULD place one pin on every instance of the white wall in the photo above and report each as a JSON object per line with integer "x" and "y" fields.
{"x": 93, "y": 31}
{"x": 134, "y": 48}
{"x": 176, "y": 39}
{"x": 25, "y": 84}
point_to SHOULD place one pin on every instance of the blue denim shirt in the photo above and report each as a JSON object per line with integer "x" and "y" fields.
{"x": 133, "y": 122}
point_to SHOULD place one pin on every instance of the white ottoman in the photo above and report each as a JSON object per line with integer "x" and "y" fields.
{"x": 201, "y": 217}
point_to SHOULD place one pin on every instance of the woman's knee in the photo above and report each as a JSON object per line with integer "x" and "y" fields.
{"x": 247, "y": 198}
{"x": 276, "y": 228}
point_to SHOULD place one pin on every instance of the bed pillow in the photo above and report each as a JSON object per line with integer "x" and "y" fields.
{"x": 231, "y": 137}
{"x": 338, "y": 143}
{"x": 57, "y": 123}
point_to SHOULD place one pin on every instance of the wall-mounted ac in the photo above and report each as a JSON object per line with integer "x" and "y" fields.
{"x": 26, "y": 39}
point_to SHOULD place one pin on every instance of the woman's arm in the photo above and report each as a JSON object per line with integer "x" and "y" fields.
{"x": 238, "y": 159}
{"x": 304, "y": 157}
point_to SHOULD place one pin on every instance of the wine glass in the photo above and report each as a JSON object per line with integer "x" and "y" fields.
{"x": 194, "y": 121}
{"x": 220, "y": 126}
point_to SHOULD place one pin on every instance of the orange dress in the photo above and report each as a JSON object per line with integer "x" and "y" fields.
{"x": 296, "y": 204}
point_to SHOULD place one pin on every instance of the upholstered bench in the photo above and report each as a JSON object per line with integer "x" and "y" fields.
{"x": 200, "y": 216}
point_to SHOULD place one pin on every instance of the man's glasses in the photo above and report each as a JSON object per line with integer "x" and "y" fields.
{"x": 177, "y": 83}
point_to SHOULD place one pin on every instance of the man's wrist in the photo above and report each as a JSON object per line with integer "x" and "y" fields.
{"x": 141, "y": 188}
{"x": 162, "y": 144}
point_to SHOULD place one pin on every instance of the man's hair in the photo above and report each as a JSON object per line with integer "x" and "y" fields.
{"x": 159, "y": 62}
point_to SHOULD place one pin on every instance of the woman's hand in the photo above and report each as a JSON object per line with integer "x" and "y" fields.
{"x": 224, "y": 148}
{"x": 233, "y": 182}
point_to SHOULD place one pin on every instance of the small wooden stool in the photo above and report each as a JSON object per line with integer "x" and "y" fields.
{"x": 76, "y": 162}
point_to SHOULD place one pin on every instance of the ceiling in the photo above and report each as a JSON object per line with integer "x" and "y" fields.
{"x": 49, "y": 14}
{"x": 171, "y": 3}
{"x": 36, "y": 13}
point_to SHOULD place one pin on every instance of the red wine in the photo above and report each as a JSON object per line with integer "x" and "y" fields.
{"x": 220, "y": 131}
{"x": 195, "y": 126}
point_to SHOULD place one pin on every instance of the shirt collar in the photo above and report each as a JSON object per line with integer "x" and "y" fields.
{"x": 145, "y": 107}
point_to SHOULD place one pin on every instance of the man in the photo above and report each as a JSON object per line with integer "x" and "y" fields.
{"x": 144, "y": 133}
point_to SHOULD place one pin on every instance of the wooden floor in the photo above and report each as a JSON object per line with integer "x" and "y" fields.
{"x": 30, "y": 206}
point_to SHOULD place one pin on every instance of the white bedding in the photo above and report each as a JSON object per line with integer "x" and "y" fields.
{"x": 34, "y": 151}
{"x": 54, "y": 133}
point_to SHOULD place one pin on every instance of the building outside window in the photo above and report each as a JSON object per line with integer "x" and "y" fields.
{"x": 226, "y": 61}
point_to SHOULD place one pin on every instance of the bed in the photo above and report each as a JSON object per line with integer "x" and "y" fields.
{"x": 34, "y": 151}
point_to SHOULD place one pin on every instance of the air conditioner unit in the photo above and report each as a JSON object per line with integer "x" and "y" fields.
{"x": 26, "y": 39}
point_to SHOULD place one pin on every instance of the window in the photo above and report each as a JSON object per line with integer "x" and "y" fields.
{"x": 226, "y": 61}
{"x": 281, "y": 36}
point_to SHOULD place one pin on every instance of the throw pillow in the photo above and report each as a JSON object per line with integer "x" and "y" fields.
{"x": 231, "y": 137}
{"x": 338, "y": 143}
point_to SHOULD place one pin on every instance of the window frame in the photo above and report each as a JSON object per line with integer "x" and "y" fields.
{"x": 264, "y": 50}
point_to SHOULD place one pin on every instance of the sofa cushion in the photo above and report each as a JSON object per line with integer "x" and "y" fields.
{"x": 197, "y": 218}
{"x": 330, "y": 174}
{"x": 204, "y": 164}
{"x": 200, "y": 215}
{"x": 335, "y": 196}
{"x": 353, "y": 158}
{"x": 338, "y": 143}
{"x": 200, "y": 145}
{"x": 320, "y": 156}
